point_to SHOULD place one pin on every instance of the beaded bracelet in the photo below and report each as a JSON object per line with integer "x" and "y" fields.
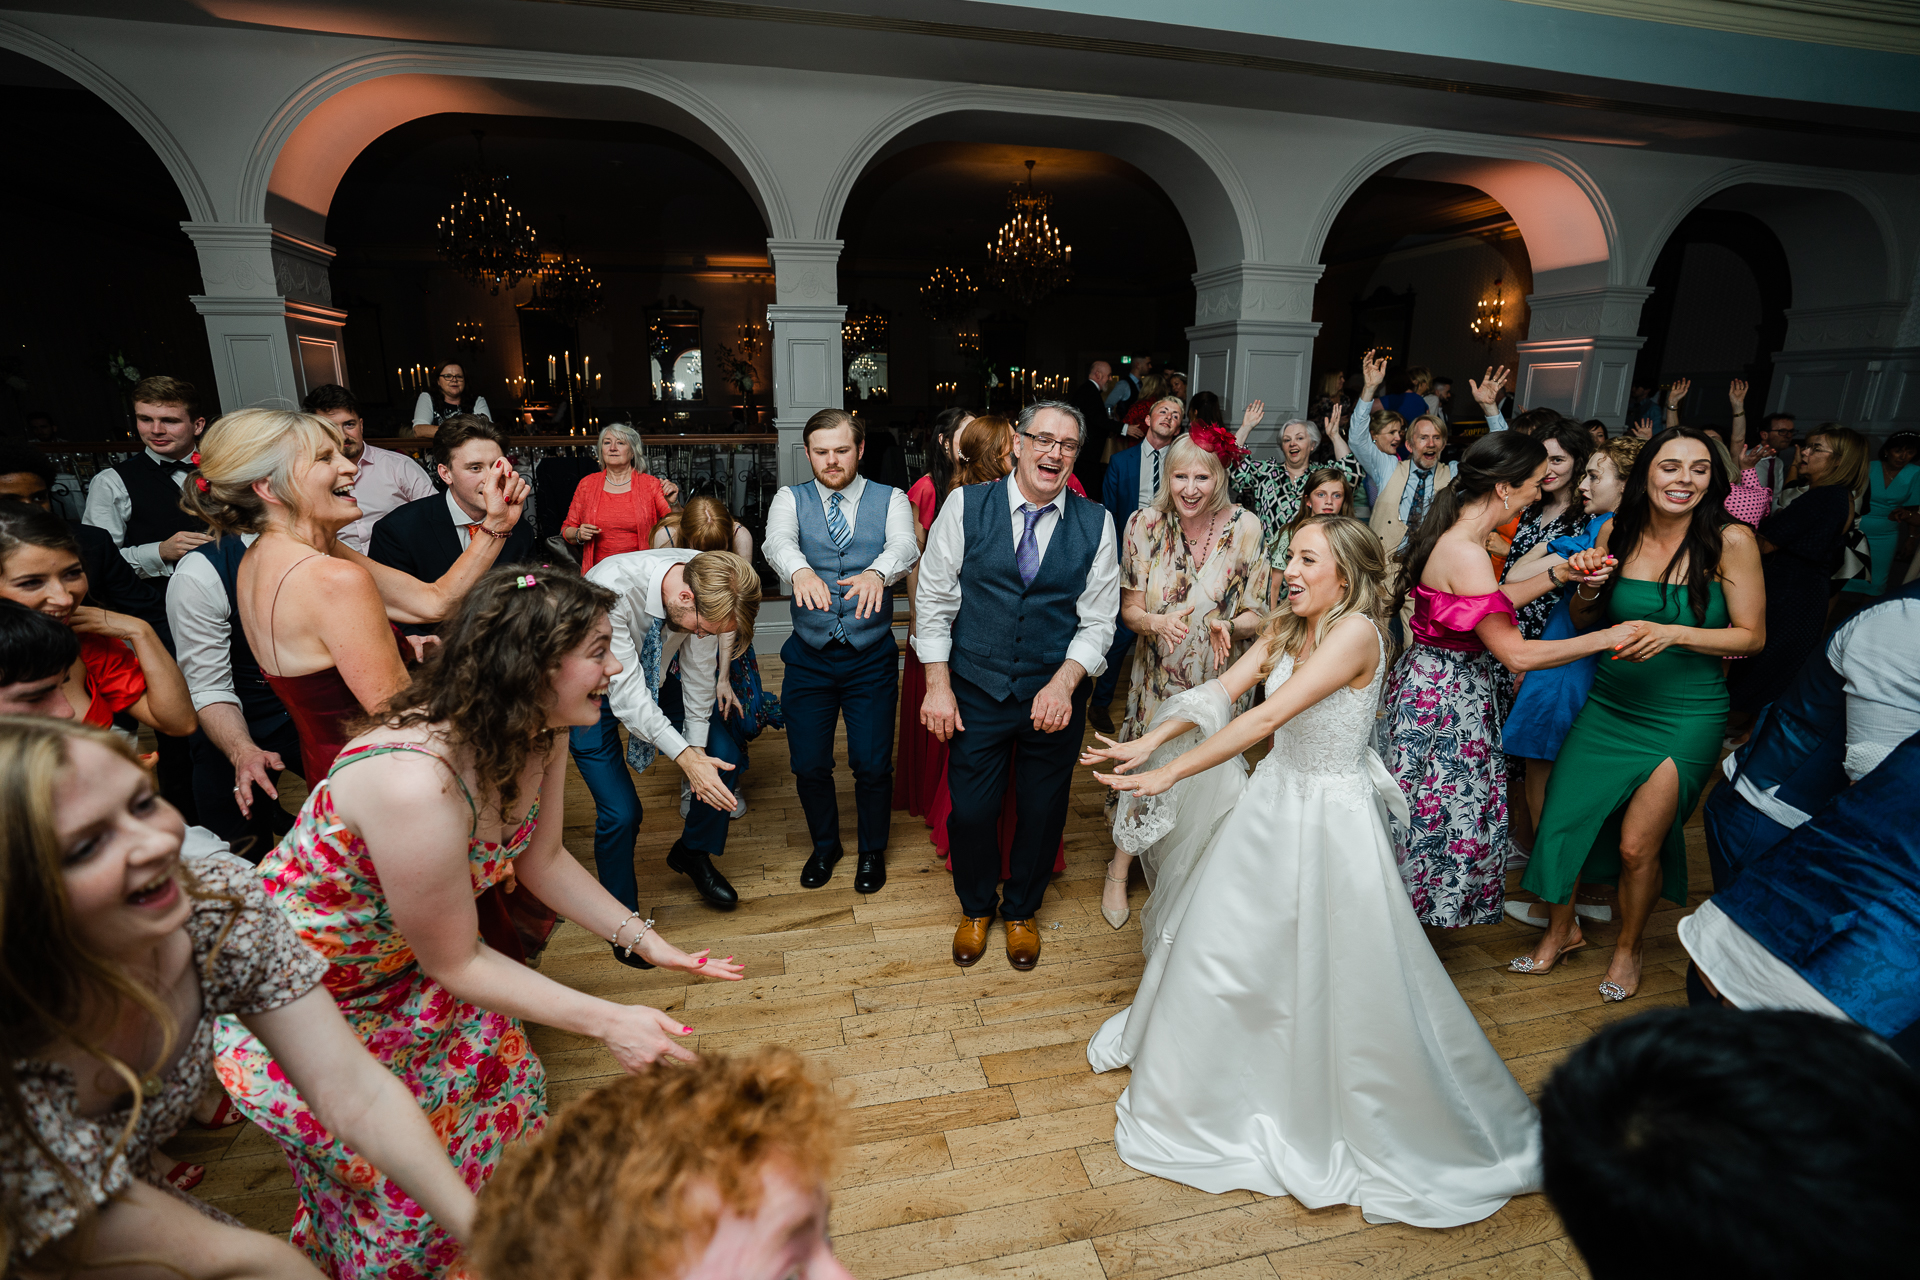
{"x": 645, "y": 925}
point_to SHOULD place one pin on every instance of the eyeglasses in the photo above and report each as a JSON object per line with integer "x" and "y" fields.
{"x": 1047, "y": 444}
{"x": 1811, "y": 449}
{"x": 453, "y": 377}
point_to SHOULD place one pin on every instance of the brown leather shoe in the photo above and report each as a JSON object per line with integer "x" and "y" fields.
{"x": 1023, "y": 944}
{"x": 970, "y": 940}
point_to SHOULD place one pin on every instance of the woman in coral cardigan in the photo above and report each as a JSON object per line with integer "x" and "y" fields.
{"x": 615, "y": 509}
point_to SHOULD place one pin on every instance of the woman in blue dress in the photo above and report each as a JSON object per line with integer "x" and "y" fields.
{"x": 1548, "y": 700}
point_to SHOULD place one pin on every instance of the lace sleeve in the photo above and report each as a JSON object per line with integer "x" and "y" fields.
{"x": 1140, "y": 822}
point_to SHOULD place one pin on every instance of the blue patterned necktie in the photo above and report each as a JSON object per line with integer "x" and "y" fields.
{"x": 1418, "y": 511}
{"x": 640, "y": 752}
{"x": 1157, "y": 453}
{"x": 1027, "y": 555}
{"x": 842, "y": 538}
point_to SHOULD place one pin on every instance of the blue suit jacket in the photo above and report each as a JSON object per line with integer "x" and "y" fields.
{"x": 1120, "y": 494}
{"x": 1839, "y": 898}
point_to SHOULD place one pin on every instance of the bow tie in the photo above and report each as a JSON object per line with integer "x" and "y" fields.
{"x": 173, "y": 466}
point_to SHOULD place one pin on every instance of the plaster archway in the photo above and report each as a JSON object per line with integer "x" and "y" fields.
{"x": 1569, "y": 229}
{"x": 1187, "y": 164}
{"x": 306, "y": 147}
{"x": 33, "y": 45}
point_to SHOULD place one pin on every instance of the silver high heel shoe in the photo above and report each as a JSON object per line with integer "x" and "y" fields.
{"x": 1118, "y": 919}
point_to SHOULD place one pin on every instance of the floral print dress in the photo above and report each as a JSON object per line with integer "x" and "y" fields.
{"x": 1158, "y": 565}
{"x": 471, "y": 1070}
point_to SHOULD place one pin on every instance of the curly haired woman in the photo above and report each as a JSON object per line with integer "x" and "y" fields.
{"x": 380, "y": 874}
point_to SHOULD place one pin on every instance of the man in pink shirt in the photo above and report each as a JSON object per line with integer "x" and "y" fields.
{"x": 387, "y": 479}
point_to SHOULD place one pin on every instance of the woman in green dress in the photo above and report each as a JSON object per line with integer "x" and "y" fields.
{"x": 1638, "y": 757}
{"x": 1894, "y": 485}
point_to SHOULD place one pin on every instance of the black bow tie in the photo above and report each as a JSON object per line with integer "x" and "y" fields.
{"x": 173, "y": 466}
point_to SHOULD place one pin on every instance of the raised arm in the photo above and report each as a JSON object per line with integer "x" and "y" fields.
{"x": 407, "y": 599}
{"x": 1486, "y": 394}
{"x": 1737, "y": 400}
{"x": 1675, "y": 394}
{"x": 1249, "y": 419}
{"x": 1339, "y": 437}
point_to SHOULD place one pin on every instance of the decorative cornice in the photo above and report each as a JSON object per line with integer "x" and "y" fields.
{"x": 1828, "y": 328}
{"x": 1586, "y": 313}
{"x": 1254, "y": 291}
{"x": 1886, "y": 26}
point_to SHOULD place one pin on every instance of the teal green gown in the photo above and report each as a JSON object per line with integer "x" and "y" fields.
{"x": 1672, "y": 706}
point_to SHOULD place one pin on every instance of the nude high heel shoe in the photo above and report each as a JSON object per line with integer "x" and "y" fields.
{"x": 1118, "y": 919}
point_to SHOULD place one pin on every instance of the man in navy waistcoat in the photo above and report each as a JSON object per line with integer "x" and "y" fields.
{"x": 842, "y": 541}
{"x": 1019, "y": 588}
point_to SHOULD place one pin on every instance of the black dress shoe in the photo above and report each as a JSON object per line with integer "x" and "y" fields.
{"x": 631, "y": 961}
{"x": 697, "y": 866}
{"x": 1100, "y": 719}
{"x": 819, "y": 868}
{"x": 871, "y": 874}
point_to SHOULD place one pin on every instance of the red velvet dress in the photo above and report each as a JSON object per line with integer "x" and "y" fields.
{"x": 920, "y": 777}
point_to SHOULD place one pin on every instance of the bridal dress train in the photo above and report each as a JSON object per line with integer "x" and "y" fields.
{"x": 1294, "y": 1033}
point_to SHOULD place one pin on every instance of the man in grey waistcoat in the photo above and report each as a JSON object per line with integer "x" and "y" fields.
{"x": 1019, "y": 588}
{"x": 842, "y": 541}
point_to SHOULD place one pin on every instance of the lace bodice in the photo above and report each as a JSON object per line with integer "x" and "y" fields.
{"x": 1328, "y": 742}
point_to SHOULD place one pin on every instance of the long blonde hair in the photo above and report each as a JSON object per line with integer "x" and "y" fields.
{"x": 51, "y": 980}
{"x": 1357, "y": 552}
{"x": 1851, "y": 462}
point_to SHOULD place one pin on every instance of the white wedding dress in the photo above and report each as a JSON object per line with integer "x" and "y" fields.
{"x": 1294, "y": 1033}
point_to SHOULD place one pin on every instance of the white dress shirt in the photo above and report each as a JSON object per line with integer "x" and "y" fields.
{"x": 202, "y": 620}
{"x": 939, "y": 600}
{"x": 639, "y": 578}
{"x": 462, "y": 522}
{"x": 1877, "y": 653}
{"x": 1148, "y": 455}
{"x": 110, "y": 506}
{"x": 387, "y": 480}
{"x": 1744, "y": 971}
{"x": 783, "y": 531}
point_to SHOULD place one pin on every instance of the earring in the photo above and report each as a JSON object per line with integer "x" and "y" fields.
{"x": 1505, "y": 505}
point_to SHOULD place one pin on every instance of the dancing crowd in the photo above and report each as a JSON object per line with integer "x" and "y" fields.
{"x": 1525, "y": 650}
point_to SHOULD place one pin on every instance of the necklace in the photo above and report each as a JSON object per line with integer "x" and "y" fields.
{"x": 611, "y": 484}
{"x": 1200, "y": 559}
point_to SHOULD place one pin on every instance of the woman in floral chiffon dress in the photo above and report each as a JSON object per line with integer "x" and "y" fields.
{"x": 415, "y": 820}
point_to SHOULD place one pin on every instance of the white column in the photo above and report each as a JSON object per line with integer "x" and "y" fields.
{"x": 271, "y": 325}
{"x": 1579, "y": 354}
{"x": 1252, "y": 339}
{"x": 1848, "y": 364}
{"x": 805, "y": 320}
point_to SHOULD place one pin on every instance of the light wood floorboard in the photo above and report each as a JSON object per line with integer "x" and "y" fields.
{"x": 982, "y": 1143}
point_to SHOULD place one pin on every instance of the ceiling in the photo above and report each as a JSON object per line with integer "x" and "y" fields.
{"x": 1387, "y": 213}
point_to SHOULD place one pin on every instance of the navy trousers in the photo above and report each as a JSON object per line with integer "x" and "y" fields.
{"x": 821, "y": 685}
{"x": 616, "y": 819}
{"x": 977, "y": 781}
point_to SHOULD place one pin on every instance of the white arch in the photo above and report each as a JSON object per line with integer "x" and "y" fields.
{"x": 33, "y": 45}
{"x": 1782, "y": 176}
{"x": 1563, "y": 215}
{"x": 1240, "y": 242}
{"x": 735, "y": 148}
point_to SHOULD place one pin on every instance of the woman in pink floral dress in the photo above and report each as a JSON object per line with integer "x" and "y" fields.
{"x": 417, "y": 817}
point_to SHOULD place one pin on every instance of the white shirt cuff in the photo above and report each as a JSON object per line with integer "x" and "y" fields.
{"x": 932, "y": 649}
{"x": 1086, "y": 655}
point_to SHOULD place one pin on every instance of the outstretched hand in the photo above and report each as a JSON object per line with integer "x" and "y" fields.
{"x": 1486, "y": 392}
{"x": 1150, "y": 783}
{"x": 1373, "y": 372}
{"x": 1678, "y": 392}
{"x": 1122, "y": 755}
{"x": 662, "y": 954}
{"x": 1641, "y": 430}
{"x": 1251, "y": 415}
{"x": 1737, "y": 395}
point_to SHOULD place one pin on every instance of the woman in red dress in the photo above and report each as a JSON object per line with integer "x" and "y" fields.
{"x": 615, "y": 509}
{"x": 122, "y": 665}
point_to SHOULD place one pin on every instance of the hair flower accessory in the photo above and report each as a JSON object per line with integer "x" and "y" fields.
{"x": 194, "y": 458}
{"x": 1220, "y": 442}
{"x": 201, "y": 482}
{"x": 525, "y": 580}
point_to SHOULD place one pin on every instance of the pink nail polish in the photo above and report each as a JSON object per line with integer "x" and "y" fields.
{"x": 703, "y": 959}
{"x": 686, "y": 1031}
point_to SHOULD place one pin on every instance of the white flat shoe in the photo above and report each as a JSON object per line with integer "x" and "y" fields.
{"x": 1523, "y": 912}
{"x": 1118, "y": 919}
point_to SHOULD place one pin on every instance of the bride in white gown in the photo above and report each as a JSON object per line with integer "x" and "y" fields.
{"x": 1294, "y": 1033}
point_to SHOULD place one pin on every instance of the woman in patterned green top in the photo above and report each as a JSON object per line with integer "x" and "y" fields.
{"x": 1274, "y": 489}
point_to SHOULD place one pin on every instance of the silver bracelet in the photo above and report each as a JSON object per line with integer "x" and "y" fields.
{"x": 645, "y": 925}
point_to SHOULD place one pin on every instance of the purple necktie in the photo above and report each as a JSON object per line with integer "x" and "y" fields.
{"x": 1027, "y": 555}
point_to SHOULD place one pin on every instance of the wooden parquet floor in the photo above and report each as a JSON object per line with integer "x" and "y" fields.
{"x": 981, "y": 1141}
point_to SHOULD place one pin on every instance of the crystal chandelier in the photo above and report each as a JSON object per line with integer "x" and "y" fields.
{"x": 567, "y": 287}
{"x": 483, "y": 237}
{"x": 1026, "y": 260}
{"x": 949, "y": 294}
{"x": 1489, "y": 323}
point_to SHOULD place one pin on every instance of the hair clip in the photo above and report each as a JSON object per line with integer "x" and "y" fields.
{"x": 525, "y": 580}
{"x": 194, "y": 458}
{"x": 201, "y": 481}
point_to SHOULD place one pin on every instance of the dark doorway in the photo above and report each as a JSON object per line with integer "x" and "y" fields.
{"x": 1721, "y": 289}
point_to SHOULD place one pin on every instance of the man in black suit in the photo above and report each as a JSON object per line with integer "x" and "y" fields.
{"x": 1089, "y": 396}
{"x": 426, "y": 536}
